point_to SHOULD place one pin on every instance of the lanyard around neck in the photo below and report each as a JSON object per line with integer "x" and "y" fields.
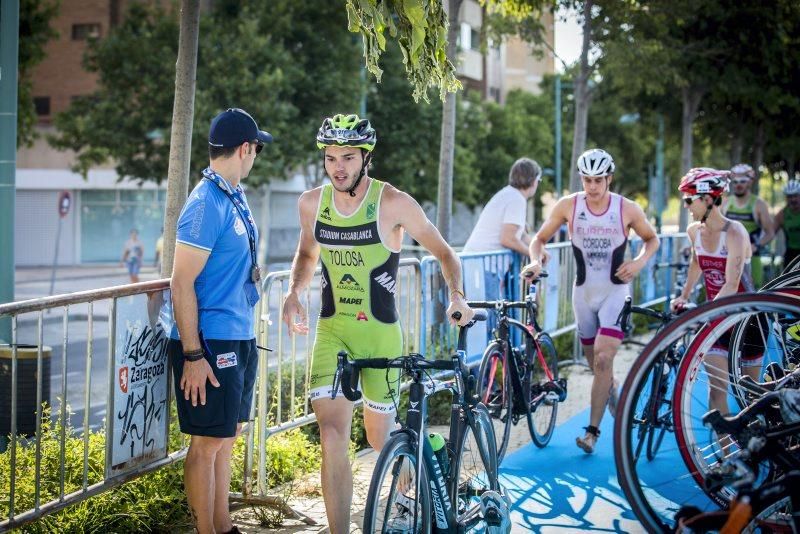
{"x": 213, "y": 177}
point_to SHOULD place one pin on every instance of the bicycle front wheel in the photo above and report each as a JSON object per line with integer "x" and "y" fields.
{"x": 662, "y": 407}
{"x": 393, "y": 504}
{"x": 542, "y": 406}
{"x": 475, "y": 469}
{"x": 494, "y": 391}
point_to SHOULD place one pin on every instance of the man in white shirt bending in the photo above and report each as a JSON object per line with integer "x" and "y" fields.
{"x": 502, "y": 225}
{"x": 502, "y": 221}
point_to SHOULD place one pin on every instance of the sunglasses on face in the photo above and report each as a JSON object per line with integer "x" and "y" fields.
{"x": 741, "y": 181}
{"x": 688, "y": 200}
{"x": 258, "y": 146}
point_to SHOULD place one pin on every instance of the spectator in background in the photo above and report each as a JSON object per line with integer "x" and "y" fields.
{"x": 753, "y": 212}
{"x": 788, "y": 220}
{"x": 159, "y": 250}
{"x": 132, "y": 254}
{"x": 501, "y": 224}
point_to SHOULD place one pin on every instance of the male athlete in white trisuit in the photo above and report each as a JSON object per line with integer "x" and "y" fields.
{"x": 599, "y": 222}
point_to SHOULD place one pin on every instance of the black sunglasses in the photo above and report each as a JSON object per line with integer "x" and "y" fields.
{"x": 259, "y": 146}
{"x": 689, "y": 200}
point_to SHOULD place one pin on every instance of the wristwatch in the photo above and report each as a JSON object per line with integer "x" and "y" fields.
{"x": 193, "y": 355}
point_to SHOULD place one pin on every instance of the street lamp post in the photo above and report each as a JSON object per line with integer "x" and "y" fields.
{"x": 559, "y": 85}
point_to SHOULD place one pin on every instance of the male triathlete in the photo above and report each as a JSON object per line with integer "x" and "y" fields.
{"x": 753, "y": 213}
{"x": 598, "y": 222}
{"x": 788, "y": 220}
{"x": 355, "y": 225}
{"x": 721, "y": 252}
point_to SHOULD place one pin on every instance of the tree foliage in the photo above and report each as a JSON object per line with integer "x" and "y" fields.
{"x": 287, "y": 66}
{"x": 420, "y": 28}
{"x": 35, "y": 31}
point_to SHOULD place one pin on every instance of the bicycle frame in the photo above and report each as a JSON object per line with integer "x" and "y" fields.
{"x": 502, "y": 335}
{"x": 460, "y": 418}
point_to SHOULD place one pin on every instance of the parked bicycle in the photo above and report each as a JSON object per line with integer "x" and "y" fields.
{"x": 516, "y": 382}
{"x": 425, "y": 483}
{"x": 653, "y": 416}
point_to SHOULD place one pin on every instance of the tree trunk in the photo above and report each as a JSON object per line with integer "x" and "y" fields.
{"x": 691, "y": 97}
{"x": 736, "y": 144}
{"x": 180, "y": 143}
{"x": 582, "y": 98}
{"x": 758, "y": 153}
{"x": 444, "y": 202}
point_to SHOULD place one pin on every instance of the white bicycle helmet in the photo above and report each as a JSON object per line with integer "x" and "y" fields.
{"x": 595, "y": 162}
{"x": 792, "y": 188}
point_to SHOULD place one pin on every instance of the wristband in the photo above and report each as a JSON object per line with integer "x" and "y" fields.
{"x": 193, "y": 355}
{"x": 463, "y": 296}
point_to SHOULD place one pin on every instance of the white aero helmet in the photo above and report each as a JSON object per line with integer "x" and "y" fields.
{"x": 595, "y": 162}
{"x": 792, "y": 188}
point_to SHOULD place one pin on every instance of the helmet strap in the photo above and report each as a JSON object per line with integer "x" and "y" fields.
{"x": 366, "y": 157}
{"x": 709, "y": 207}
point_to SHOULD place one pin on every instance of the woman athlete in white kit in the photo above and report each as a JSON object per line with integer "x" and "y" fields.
{"x": 598, "y": 222}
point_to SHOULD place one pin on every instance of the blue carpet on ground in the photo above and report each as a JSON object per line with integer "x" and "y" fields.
{"x": 560, "y": 488}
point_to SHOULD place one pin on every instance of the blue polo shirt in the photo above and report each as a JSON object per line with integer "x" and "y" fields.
{"x": 210, "y": 221}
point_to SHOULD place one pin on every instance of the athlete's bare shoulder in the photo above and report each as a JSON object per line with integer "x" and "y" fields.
{"x": 309, "y": 201}
{"x": 396, "y": 202}
{"x": 564, "y": 206}
{"x": 738, "y": 230}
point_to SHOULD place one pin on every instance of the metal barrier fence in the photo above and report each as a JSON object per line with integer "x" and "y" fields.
{"x": 131, "y": 315}
{"x": 135, "y": 381}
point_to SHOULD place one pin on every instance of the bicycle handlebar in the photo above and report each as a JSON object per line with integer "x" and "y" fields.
{"x": 493, "y": 304}
{"x": 347, "y": 373}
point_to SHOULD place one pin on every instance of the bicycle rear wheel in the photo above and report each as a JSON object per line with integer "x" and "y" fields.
{"x": 392, "y": 501}
{"x": 647, "y": 406}
{"x": 542, "y": 406}
{"x": 494, "y": 391}
{"x": 474, "y": 467}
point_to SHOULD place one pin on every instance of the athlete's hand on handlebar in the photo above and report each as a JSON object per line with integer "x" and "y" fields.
{"x": 459, "y": 305}
{"x": 292, "y": 309}
{"x": 533, "y": 269}
{"x": 678, "y": 304}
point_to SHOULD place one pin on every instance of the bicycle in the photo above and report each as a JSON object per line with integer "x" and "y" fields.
{"x": 414, "y": 488}
{"x": 510, "y": 383}
{"x": 654, "y": 491}
{"x": 654, "y": 405}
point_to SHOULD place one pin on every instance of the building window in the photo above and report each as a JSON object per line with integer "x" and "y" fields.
{"x": 475, "y": 39}
{"x": 81, "y": 32}
{"x": 42, "y": 105}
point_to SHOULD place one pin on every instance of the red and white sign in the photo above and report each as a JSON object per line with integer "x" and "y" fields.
{"x": 64, "y": 203}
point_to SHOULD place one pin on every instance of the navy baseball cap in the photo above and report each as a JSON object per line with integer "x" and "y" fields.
{"x": 233, "y": 127}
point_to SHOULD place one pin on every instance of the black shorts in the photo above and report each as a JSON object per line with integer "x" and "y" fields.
{"x": 234, "y": 363}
